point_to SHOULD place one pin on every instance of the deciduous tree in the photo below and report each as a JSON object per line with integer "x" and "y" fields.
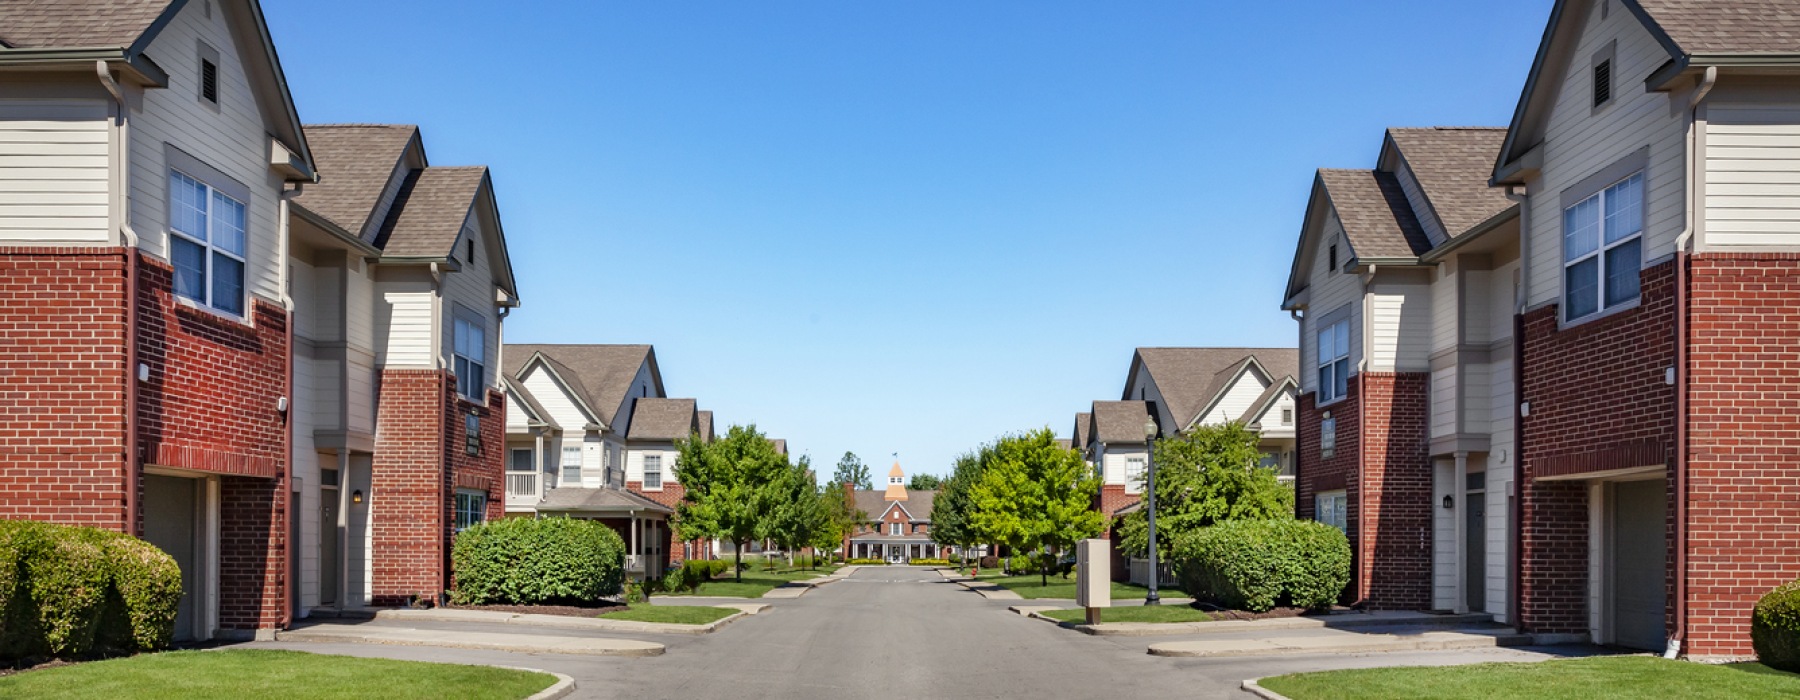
{"x": 732, "y": 484}
{"x": 851, "y": 470}
{"x": 925, "y": 482}
{"x": 1208, "y": 475}
{"x": 1034, "y": 494}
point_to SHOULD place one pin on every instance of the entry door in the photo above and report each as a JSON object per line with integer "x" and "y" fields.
{"x": 172, "y": 523}
{"x": 1639, "y": 561}
{"x": 1475, "y": 552}
{"x": 330, "y": 559}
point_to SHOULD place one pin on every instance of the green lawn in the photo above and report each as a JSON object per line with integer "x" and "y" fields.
{"x": 1574, "y": 679}
{"x": 1031, "y": 587}
{"x": 671, "y": 614}
{"x": 1144, "y": 613}
{"x": 178, "y": 675}
{"x": 755, "y": 582}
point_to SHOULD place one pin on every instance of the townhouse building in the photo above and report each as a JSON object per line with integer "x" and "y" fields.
{"x": 152, "y": 149}
{"x": 1403, "y": 282}
{"x": 401, "y": 281}
{"x": 1655, "y": 149}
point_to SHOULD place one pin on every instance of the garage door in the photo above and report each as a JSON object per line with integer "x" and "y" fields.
{"x": 1640, "y": 563}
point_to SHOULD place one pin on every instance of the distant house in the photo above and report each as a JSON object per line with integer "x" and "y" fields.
{"x": 899, "y": 526}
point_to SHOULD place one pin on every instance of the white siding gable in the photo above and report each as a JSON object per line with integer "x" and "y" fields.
{"x": 1331, "y": 291}
{"x": 1245, "y": 390}
{"x": 471, "y": 291}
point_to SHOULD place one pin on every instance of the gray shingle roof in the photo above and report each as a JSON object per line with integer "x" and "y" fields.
{"x": 599, "y": 374}
{"x": 428, "y": 216}
{"x": 1452, "y": 165}
{"x": 1728, "y": 26}
{"x": 705, "y": 421}
{"x": 355, "y": 163}
{"x": 71, "y": 24}
{"x": 532, "y": 407}
{"x": 779, "y": 444}
{"x": 662, "y": 419}
{"x": 1376, "y": 216}
{"x": 918, "y": 503}
{"x": 1190, "y": 379}
{"x": 598, "y": 500}
{"x": 1083, "y": 421}
{"x": 1119, "y": 422}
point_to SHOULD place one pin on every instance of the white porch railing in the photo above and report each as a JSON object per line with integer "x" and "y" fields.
{"x": 523, "y": 489}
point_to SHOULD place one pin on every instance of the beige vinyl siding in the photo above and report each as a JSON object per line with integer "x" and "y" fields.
{"x": 1753, "y": 174}
{"x": 517, "y": 422}
{"x": 472, "y": 288}
{"x": 1272, "y": 427}
{"x": 1400, "y": 327}
{"x": 1444, "y": 310}
{"x": 1415, "y": 198}
{"x": 1444, "y": 544}
{"x": 408, "y": 319}
{"x": 232, "y": 139}
{"x": 1144, "y": 388}
{"x": 1330, "y": 292}
{"x": 1579, "y": 143}
{"x": 306, "y": 474}
{"x": 634, "y": 462}
{"x": 1501, "y": 456}
{"x": 642, "y": 386}
{"x": 1443, "y": 402}
{"x": 55, "y": 172}
{"x": 1245, "y": 391}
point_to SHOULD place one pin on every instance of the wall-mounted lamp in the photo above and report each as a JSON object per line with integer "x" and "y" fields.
{"x": 1449, "y": 502}
{"x": 356, "y": 497}
{"x": 281, "y": 404}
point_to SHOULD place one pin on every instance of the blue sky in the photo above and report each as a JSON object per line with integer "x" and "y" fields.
{"x": 903, "y": 227}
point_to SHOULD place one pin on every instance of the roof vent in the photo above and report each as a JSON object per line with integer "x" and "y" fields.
{"x": 1602, "y": 82}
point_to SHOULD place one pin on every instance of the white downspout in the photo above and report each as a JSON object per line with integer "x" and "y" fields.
{"x": 1679, "y": 639}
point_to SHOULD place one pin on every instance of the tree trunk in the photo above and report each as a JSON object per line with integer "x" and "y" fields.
{"x": 737, "y": 569}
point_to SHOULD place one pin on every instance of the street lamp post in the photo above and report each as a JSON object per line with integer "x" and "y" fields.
{"x": 1150, "y": 466}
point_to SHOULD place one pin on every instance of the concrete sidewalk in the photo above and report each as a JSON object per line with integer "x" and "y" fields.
{"x": 568, "y": 622}
{"x": 529, "y": 643}
{"x": 1346, "y": 620}
{"x": 1329, "y": 641}
{"x": 795, "y": 589}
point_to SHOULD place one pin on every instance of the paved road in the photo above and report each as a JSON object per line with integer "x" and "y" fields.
{"x": 894, "y": 632}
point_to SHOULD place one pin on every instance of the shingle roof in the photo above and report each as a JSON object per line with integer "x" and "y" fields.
{"x": 918, "y": 503}
{"x": 705, "y": 421}
{"x": 1376, "y": 216}
{"x": 355, "y": 163}
{"x": 70, "y": 24}
{"x": 600, "y": 500}
{"x": 599, "y": 374}
{"x": 662, "y": 419}
{"x": 1728, "y": 26}
{"x": 1262, "y": 401}
{"x": 1119, "y": 422}
{"x": 1082, "y": 423}
{"x": 779, "y": 444}
{"x": 1190, "y": 379}
{"x": 428, "y": 215}
{"x": 1452, "y": 165}
{"x": 532, "y": 406}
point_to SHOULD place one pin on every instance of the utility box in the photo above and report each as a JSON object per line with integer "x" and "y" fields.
{"x": 1093, "y": 574}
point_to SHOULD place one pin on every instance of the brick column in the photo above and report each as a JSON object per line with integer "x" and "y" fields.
{"x": 409, "y": 497}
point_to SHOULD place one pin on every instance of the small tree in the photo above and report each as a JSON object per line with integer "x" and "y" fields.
{"x": 950, "y": 511}
{"x": 732, "y": 485}
{"x": 840, "y": 517}
{"x": 851, "y": 470}
{"x": 925, "y": 482}
{"x": 1034, "y": 495}
{"x": 1208, "y": 475}
{"x": 796, "y": 516}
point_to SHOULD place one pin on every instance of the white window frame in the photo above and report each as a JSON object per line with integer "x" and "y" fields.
{"x": 208, "y": 242}
{"x": 471, "y": 369}
{"x": 571, "y": 469}
{"x": 1136, "y": 469}
{"x": 466, "y": 516}
{"x": 1331, "y": 508}
{"x": 894, "y": 529}
{"x": 512, "y": 458}
{"x": 1600, "y": 200}
{"x": 1333, "y": 363}
{"x": 655, "y": 459}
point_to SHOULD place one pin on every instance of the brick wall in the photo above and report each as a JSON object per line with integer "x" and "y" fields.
{"x": 1109, "y": 502}
{"x": 1315, "y": 474}
{"x": 1743, "y": 442}
{"x": 409, "y": 491}
{"x": 253, "y": 561}
{"x": 670, "y": 496}
{"x": 1598, "y": 400}
{"x": 62, "y": 385}
{"x": 485, "y": 472}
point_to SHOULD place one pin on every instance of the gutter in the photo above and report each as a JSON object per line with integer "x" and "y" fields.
{"x": 1682, "y": 258}
{"x": 1494, "y": 222}
{"x": 130, "y": 62}
{"x": 283, "y": 237}
{"x": 128, "y": 238}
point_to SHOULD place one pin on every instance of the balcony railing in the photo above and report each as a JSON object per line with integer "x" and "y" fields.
{"x": 523, "y": 488}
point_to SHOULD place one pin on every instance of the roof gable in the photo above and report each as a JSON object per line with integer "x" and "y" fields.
{"x": 601, "y": 376}
{"x": 1119, "y": 422}
{"x": 428, "y": 217}
{"x": 535, "y": 412}
{"x": 1451, "y": 166}
{"x": 357, "y": 162}
{"x": 662, "y": 419}
{"x": 1193, "y": 380}
{"x": 90, "y": 24}
{"x": 566, "y": 381}
{"x": 1269, "y": 398}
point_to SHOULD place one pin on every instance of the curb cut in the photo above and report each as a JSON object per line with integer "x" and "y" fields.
{"x": 561, "y": 688}
{"x": 1253, "y": 687}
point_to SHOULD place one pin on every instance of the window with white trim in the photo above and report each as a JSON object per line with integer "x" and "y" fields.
{"x": 1134, "y": 474}
{"x": 1334, "y": 361}
{"x": 894, "y": 528}
{"x": 571, "y": 465}
{"x": 653, "y": 471}
{"x": 471, "y": 508}
{"x": 521, "y": 460}
{"x": 1603, "y": 249}
{"x": 1328, "y": 508}
{"x": 206, "y": 243}
{"x": 471, "y": 357}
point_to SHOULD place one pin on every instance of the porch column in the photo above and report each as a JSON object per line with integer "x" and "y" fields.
{"x": 637, "y": 547}
{"x": 537, "y": 455}
{"x": 1461, "y": 542}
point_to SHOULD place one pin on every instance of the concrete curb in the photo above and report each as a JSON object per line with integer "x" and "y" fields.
{"x": 1347, "y": 621}
{"x": 561, "y": 688}
{"x": 531, "y": 644}
{"x": 1428, "y": 641}
{"x": 1255, "y": 688}
{"x": 989, "y": 591}
{"x": 564, "y": 621}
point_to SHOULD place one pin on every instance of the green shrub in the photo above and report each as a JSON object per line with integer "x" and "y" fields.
{"x": 72, "y": 591}
{"x": 1775, "y": 628}
{"x": 867, "y": 562}
{"x": 990, "y": 562}
{"x": 537, "y": 561}
{"x": 1022, "y": 563}
{"x": 1256, "y": 565}
{"x": 931, "y": 562}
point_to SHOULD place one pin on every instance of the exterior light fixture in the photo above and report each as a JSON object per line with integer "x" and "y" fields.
{"x": 1449, "y": 502}
{"x": 356, "y": 497}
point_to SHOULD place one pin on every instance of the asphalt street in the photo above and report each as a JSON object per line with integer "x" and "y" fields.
{"x": 901, "y": 632}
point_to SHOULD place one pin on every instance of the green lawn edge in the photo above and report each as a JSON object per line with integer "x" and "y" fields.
{"x": 1563, "y": 679}
{"x": 671, "y": 614}
{"x": 1136, "y": 613}
{"x": 244, "y": 673}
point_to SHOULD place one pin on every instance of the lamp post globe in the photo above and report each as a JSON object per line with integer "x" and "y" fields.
{"x": 1150, "y": 495}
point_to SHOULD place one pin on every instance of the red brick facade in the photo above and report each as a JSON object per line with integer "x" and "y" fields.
{"x": 421, "y": 459}
{"x": 670, "y": 496}
{"x": 1111, "y": 500}
{"x": 1386, "y": 481}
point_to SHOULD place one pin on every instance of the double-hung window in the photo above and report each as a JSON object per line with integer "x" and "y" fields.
{"x": 1134, "y": 474}
{"x": 1334, "y": 361}
{"x": 471, "y": 508}
{"x": 471, "y": 358}
{"x": 571, "y": 465}
{"x": 1603, "y": 250}
{"x": 894, "y": 529}
{"x": 206, "y": 243}
{"x": 1329, "y": 509}
{"x": 653, "y": 471}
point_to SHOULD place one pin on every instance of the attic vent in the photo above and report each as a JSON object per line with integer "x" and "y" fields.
{"x": 1332, "y": 259}
{"x": 209, "y": 73}
{"x": 1602, "y": 82}
{"x": 469, "y": 251}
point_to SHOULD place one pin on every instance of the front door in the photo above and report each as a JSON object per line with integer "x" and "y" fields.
{"x": 1639, "y": 563}
{"x": 172, "y": 523}
{"x": 329, "y": 530}
{"x": 1475, "y": 554}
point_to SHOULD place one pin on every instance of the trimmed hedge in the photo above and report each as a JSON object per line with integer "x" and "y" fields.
{"x": 537, "y": 561}
{"x": 74, "y": 591}
{"x": 1775, "y": 628}
{"x": 931, "y": 562}
{"x": 868, "y": 562}
{"x": 1256, "y": 565}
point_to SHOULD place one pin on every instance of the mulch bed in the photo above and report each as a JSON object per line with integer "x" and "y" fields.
{"x": 563, "y": 610}
{"x": 12, "y": 667}
{"x": 1219, "y": 613}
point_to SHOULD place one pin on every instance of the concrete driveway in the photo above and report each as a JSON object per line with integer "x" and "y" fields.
{"x": 903, "y": 632}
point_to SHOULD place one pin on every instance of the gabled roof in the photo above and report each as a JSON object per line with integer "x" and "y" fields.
{"x": 662, "y": 419}
{"x": 1192, "y": 380}
{"x": 428, "y": 216}
{"x": 1119, "y": 422}
{"x": 534, "y": 411}
{"x": 1268, "y": 399}
{"x": 566, "y": 499}
{"x": 1452, "y": 167}
{"x": 1377, "y": 219}
{"x": 598, "y": 375}
{"x": 875, "y": 504}
{"x": 1083, "y": 421}
{"x": 1700, "y": 27}
{"x": 87, "y": 24}
{"x": 705, "y": 421}
{"x": 356, "y": 162}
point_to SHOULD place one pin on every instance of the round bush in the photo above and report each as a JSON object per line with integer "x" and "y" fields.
{"x": 1256, "y": 565}
{"x": 1775, "y": 628}
{"x": 73, "y": 591}
{"x": 542, "y": 561}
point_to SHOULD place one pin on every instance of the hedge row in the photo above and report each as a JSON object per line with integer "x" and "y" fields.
{"x": 74, "y": 591}
{"x": 1775, "y": 628}
{"x": 537, "y": 561}
{"x": 1256, "y": 565}
{"x": 868, "y": 562}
